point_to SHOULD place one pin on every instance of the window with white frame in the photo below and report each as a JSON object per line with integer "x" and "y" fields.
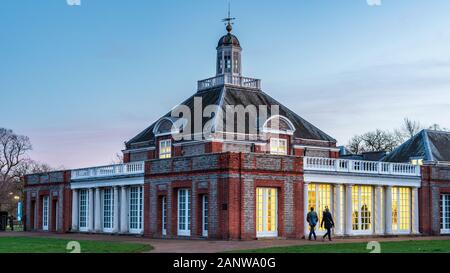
{"x": 135, "y": 209}
{"x": 184, "y": 212}
{"x": 445, "y": 213}
{"x": 45, "y": 212}
{"x": 417, "y": 161}
{"x": 266, "y": 212}
{"x": 108, "y": 211}
{"x": 278, "y": 146}
{"x": 362, "y": 213}
{"x": 83, "y": 210}
{"x": 401, "y": 209}
{"x": 164, "y": 215}
{"x": 319, "y": 197}
{"x": 205, "y": 211}
{"x": 165, "y": 148}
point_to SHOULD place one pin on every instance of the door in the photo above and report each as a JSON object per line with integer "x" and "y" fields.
{"x": 205, "y": 212}
{"x": 135, "y": 209}
{"x": 164, "y": 215}
{"x": 45, "y": 213}
{"x": 184, "y": 212}
{"x": 266, "y": 212}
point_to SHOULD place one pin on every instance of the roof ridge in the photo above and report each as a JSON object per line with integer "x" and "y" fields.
{"x": 219, "y": 105}
{"x": 427, "y": 145}
{"x": 436, "y": 131}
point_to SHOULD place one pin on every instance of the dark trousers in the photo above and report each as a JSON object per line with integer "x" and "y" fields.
{"x": 328, "y": 233}
{"x": 312, "y": 232}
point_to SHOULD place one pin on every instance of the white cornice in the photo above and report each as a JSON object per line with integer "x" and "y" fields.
{"x": 316, "y": 148}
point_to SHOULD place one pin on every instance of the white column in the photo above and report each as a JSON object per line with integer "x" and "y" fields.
{"x": 415, "y": 211}
{"x": 74, "y": 210}
{"x": 123, "y": 211}
{"x": 388, "y": 210}
{"x": 116, "y": 210}
{"x": 379, "y": 228}
{"x": 91, "y": 210}
{"x": 305, "y": 208}
{"x": 98, "y": 222}
{"x": 348, "y": 210}
{"x": 337, "y": 209}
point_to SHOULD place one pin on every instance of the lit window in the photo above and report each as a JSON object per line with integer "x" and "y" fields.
{"x": 401, "y": 209}
{"x": 417, "y": 161}
{"x": 278, "y": 146}
{"x": 319, "y": 197}
{"x": 362, "y": 208}
{"x": 165, "y": 148}
{"x": 266, "y": 212}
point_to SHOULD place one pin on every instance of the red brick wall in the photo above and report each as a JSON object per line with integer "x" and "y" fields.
{"x": 435, "y": 181}
{"x": 147, "y": 210}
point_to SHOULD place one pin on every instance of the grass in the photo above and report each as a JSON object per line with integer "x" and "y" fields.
{"x": 53, "y": 245}
{"x": 417, "y": 246}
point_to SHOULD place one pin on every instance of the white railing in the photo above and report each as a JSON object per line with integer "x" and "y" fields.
{"x": 359, "y": 166}
{"x": 229, "y": 80}
{"x": 112, "y": 170}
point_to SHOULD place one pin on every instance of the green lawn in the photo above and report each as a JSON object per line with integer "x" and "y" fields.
{"x": 435, "y": 246}
{"x": 52, "y": 245}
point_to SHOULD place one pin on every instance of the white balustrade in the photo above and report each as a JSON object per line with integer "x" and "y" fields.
{"x": 360, "y": 166}
{"x": 112, "y": 170}
{"x": 229, "y": 80}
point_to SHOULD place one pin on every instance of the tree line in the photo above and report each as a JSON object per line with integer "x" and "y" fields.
{"x": 386, "y": 140}
{"x": 14, "y": 164}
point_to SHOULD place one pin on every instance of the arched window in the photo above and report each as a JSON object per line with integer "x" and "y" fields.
{"x": 278, "y": 124}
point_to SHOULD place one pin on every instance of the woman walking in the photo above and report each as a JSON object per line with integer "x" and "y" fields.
{"x": 327, "y": 219}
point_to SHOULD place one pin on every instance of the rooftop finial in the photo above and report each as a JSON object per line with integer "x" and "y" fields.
{"x": 229, "y": 19}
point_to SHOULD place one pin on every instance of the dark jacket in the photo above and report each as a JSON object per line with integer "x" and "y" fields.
{"x": 327, "y": 219}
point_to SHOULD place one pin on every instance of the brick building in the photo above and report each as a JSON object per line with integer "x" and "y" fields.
{"x": 431, "y": 149}
{"x": 191, "y": 174}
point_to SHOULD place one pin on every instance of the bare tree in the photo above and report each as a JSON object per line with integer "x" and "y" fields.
{"x": 410, "y": 128}
{"x": 356, "y": 145}
{"x": 13, "y": 149}
{"x": 12, "y": 152}
{"x": 375, "y": 141}
{"x": 437, "y": 127}
{"x": 117, "y": 159}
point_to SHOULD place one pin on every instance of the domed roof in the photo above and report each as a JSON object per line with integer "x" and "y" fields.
{"x": 229, "y": 39}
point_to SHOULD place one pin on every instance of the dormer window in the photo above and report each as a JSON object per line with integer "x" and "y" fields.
{"x": 165, "y": 148}
{"x": 278, "y": 146}
{"x": 417, "y": 161}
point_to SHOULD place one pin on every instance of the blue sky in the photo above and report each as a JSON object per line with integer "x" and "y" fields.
{"x": 81, "y": 80}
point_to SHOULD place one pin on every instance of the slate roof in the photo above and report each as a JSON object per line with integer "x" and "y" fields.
{"x": 230, "y": 95}
{"x": 428, "y": 144}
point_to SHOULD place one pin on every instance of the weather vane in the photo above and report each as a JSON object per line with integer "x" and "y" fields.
{"x": 229, "y": 20}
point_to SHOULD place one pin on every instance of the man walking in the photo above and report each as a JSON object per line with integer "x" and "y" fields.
{"x": 327, "y": 219}
{"x": 312, "y": 220}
